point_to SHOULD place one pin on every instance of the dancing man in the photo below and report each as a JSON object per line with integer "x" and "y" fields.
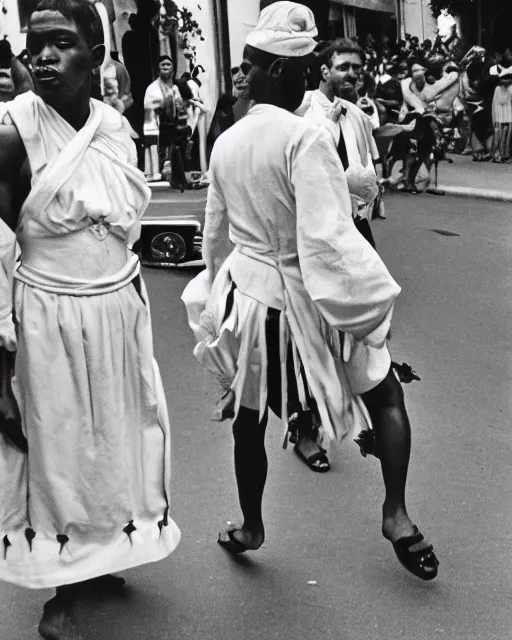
{"x": 92, "y": 494}
{"x": 298, "y": 312}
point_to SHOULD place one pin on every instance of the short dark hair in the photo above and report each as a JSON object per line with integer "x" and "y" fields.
{"x": 369, "y": 85}
{"x": 260, "y": 58}
{"x": 165, "y": 57}
{"x": 265, "y": 60}
{"x": 342, "y": 45}
{"x": 82, "y": 12}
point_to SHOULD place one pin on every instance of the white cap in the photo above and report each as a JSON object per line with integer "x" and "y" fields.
{"x": 285, "y": 29}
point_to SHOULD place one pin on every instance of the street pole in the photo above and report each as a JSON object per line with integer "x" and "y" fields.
{"x": 479, "y": 18}
{"x": 222, "y": 48}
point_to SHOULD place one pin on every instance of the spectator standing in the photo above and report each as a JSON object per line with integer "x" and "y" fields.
{"x": 477, "y": 87}
{"x": 141, "y": 50}
{"x": 118, "y": 74}
{"x": 231, "y": 106}
{"x": 160, "y": 105}
{"x": 502, "y": 108}
{"x": 196, "y": 111}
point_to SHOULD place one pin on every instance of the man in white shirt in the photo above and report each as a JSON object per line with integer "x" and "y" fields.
{"x": 338, "y": 65}
{"x": 298, "y": 305}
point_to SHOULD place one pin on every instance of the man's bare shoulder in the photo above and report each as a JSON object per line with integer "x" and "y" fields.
{"x": 12, "y": 150}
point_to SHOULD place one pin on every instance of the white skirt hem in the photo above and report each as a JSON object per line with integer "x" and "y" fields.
{"x": 44, "y": 567}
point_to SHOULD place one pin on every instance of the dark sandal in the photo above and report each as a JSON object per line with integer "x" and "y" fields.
{"x": 228, "y": 541}
{"x": 417, "y": 555}
{"x": 319, "y": 457}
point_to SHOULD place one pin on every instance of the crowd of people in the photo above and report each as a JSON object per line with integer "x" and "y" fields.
{"x": 469, "y": 92}
{"x": 423, "y": 99}
{"x": 468, "y": 96}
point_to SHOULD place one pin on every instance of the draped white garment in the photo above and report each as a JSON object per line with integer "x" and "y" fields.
{"x": 360, "y": 144}
{"x": 279, "y": 196}
{"x": 93, "y": 494}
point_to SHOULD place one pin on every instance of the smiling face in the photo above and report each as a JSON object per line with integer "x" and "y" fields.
{"x": 61, "y": 57}
{"x": 341, "y": 77}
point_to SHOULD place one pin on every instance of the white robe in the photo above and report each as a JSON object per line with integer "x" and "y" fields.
{"x": 273, "y": 197}
{"x": 93, "y": 494}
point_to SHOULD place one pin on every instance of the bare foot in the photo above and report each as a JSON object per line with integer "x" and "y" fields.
{"x": 58, "y": 622}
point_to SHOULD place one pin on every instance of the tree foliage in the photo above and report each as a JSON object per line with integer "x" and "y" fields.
{"x": 493, "y": 22}
{"x": 454, "y": 7}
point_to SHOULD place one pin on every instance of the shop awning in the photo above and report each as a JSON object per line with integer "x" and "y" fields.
{"x": 386, "y": 6}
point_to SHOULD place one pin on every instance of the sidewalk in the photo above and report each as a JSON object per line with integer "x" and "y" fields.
{"x": 475, "y": 179}
{"x": 463, "y": 178}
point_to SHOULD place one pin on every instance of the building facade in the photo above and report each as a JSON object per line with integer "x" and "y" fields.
{"x": 12, "y": 22}
{"x": 416, "y": 18}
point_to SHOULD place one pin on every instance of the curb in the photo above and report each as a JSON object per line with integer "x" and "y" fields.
{"x": 441, "y": 190}
{"x": 470, "y": 192}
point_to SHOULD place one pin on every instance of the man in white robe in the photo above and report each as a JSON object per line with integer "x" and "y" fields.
{"x": 93, "y": 494}
{"x": 298, "y": 313}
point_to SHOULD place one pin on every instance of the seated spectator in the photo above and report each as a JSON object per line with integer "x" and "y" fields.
{"x": 388, "y": 95}
{"x": 365, "y": 87}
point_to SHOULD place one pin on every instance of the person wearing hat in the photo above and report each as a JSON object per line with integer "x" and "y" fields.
{"x": 295, "y": 306}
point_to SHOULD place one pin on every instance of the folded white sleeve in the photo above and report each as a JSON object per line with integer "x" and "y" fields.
{"x": 342, "y": 273}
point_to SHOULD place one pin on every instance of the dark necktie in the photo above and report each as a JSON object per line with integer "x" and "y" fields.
{"x": 342, "y": 150}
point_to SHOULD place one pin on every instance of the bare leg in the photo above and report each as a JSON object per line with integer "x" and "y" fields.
{"x": 506, "y": 142}
{"x": 251, "y": 475}
{"x": 496, "y": 142}
{"x": 387, "y": 410}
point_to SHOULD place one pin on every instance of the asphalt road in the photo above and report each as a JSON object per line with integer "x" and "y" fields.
{"x": 453, "y": 259}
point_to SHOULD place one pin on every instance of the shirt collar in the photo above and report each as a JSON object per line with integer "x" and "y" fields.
{"x": 327, "y": 105}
